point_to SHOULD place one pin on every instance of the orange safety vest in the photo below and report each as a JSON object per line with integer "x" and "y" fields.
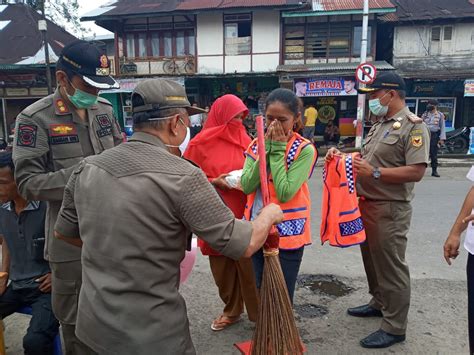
{"x": 295, "y": 230}
{"x": 341, "y": 222}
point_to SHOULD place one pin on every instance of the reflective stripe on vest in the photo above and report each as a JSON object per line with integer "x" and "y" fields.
{"x": 341, "y": 222}
{"x": 295, "y": 230}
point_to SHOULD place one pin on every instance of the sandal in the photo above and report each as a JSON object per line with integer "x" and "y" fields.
{"x": 223, "y": 322}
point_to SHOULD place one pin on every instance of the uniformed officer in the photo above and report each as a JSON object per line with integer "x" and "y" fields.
{"x": 51, "y": 137}
{"x": 435, "y": 121}
{"x": 134, "y": 241}
{"x": 394, "y": 157}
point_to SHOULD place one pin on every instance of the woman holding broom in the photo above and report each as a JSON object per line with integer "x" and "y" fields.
{"x": 290, "y": 162}
{"x": 219, "y": 149}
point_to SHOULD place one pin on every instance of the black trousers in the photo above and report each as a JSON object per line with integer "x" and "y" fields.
{"x": 470, "y": 300}
{"x": 290, "y": 261}
{"x": 434, "y": 149}
{"x": 43, "y": 327}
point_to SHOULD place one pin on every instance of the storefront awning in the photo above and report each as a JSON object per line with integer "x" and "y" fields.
{"x": 328, "y": 68}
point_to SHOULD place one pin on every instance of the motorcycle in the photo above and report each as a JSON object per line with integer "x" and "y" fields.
{"x": 457, "y": 141}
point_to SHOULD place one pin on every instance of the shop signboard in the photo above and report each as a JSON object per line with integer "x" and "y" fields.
{"x": 308, "y": 87}
{"x": 17, "y": 91}
{"x": 469, "y": 88}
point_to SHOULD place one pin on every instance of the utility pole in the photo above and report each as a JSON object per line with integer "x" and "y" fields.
{"x": 43, "y": 27}
{"x": 363, "y": 58}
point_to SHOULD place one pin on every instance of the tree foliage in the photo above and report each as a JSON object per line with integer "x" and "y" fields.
{"x": 64, "y": 13}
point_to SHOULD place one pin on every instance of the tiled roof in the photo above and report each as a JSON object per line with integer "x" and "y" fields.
{"x": 133, "y": 7}
{"x": 20, "y": 38}
{"x": 426, "y": 10}
{"x": 340, "y": 5}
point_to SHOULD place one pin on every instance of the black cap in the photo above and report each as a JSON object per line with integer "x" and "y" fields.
{"x": 384, "y": 80}
{"x": 90, "y": 62}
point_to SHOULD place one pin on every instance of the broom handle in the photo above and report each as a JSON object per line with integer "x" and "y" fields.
{"x": 262, "y": 160}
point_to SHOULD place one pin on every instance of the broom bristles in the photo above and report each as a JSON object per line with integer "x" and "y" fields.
{"x": 276, "y": 332}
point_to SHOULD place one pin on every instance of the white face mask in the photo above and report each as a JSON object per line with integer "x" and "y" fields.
{"x": 182, "y": 147}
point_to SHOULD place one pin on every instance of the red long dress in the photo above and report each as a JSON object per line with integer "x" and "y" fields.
{"x": 219, "y": 149}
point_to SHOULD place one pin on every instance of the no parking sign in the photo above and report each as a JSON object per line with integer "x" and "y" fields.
{"x": 366, "y": 73}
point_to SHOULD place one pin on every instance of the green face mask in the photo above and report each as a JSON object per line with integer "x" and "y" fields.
{"x": 82, "y": 99}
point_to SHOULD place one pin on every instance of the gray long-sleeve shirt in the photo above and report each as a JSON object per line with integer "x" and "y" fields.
{"x": 436, "y": 123}
{"x": 134, "y": 207}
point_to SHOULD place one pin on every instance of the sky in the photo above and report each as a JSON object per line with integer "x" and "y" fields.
{"x": 86, "y": 6}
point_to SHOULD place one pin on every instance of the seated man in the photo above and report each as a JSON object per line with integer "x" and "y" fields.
{"x": 22, "y": 229}
{"x": 331, "y": 134}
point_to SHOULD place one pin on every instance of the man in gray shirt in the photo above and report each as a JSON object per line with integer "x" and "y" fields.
{"x": 134, "y": 208}
{"x": 22, "y": 229}
{"x": 435, "y": 121}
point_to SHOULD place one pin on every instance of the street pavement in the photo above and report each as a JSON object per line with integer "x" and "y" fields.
{"x": 334, "y": 279}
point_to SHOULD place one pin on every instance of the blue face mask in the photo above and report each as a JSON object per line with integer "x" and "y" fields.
{"x": 377, "y": 108}
{"x": 82, "y": 99}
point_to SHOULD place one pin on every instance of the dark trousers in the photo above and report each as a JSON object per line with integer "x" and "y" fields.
{"x": 334, "y": 139}
{"x": 43, "y": 327}
{"x": 434, "y": 149}
{"x": 470, "y": 300}
{"x": 290, "y": 261}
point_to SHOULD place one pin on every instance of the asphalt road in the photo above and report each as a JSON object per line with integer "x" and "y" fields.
{"x": 438, "y": 315}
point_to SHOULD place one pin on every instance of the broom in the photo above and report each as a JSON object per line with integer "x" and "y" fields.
{"x": 275, "y": 331}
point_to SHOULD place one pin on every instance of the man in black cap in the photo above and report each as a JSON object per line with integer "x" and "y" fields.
{"x": 394, "y": 157}
{"x": 435, "y": 121}
{"x": 129, "y": 301}
{"x": 51, "y": 137}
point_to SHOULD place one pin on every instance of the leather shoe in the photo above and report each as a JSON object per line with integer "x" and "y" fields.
{"x": 364, "y": 311}
{"x": 435, "y": 174}
{"x": 381, "y": 339}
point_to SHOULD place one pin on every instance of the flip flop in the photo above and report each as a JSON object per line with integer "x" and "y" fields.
{"x": 223, "y": 322}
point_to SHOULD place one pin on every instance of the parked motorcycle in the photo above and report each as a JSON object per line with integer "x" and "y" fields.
{"x": 457, "y": 141}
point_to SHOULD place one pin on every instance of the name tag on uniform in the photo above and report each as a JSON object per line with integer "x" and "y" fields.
{"x": 104, "y": 124}
{"x": 63, "y": 134}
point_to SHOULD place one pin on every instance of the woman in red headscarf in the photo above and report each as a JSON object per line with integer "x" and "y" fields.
{"x": 219, "y": 149}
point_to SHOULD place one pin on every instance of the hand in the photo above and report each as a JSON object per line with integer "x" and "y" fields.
{"x": 221, "y": 183}
{"x": 441, "y": 142}
{"x": 451, "y": 247}
{"x": 269, "y": 132}
{"x": 362, "y": 167}
{"x": 45, "y": 283}
{"x": 468, "y": 219}
{"x": 3, "y": 282}
{"x": 273, "y": 212}
{"x": 278, "y": 134}
{"x": 332, "y": 152}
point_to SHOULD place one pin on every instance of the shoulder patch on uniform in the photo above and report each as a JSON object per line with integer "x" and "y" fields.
{"x": 104, "y": 101}
{"x": 38, "y": 106}
{"x": 417, "y": 141}
{"x": 414, "y": 118}
{"x": 27, "y": 135}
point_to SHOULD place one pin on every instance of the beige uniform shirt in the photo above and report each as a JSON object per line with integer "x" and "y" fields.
{"x": 400, "y": 140}
{"x": 50, "y": 140}
{"x": 135, "y": 207}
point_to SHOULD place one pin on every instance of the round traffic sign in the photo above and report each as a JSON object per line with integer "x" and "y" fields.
{"x": 366, "y": 73}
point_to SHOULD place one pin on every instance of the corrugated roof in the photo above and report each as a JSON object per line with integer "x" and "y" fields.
{"x": 329, "y": 67}
{"x": 210, "y": 4}
{"x": 136, "y": 7}
{"x": 427, "y": 10}
{"x": 341, "y": 5}
{"x": 21, "y": 39}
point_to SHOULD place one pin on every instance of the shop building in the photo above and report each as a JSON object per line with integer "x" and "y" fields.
{"x": 214, "y": 47}
{"x": 433, "y": 50}
{"x": 22, "y": 60}
{"x": 320, "y": 54}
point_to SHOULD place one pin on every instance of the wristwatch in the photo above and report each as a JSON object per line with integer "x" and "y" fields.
{"x": 376, "y": 173}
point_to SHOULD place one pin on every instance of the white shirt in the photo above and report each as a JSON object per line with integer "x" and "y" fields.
{"x": 469, "y": 240}
{"x": 196, "y": 120}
